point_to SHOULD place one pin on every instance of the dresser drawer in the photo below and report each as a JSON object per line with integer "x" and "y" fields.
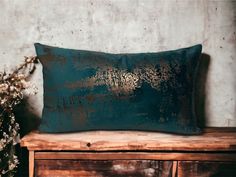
{"x": 103, "y": 168}
{"x": 206, "y": 169}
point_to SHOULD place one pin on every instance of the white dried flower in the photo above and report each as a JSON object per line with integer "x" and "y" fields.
{"x": 3, "y": 101}
{"x": 3, "y": 86}
{"x": 25, "y": 84}
{"x": 11, "y": 165}
{"x": 12, "y": 88}
{"x": 20, "y": 76}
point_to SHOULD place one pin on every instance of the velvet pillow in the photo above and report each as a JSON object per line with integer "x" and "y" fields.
{"x": 87, "y": 90}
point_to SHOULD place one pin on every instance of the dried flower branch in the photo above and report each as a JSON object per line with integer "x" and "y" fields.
{"x": 12, "y": 86}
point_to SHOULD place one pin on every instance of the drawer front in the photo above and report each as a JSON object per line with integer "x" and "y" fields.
{"x": 103, "y": 168}
{"x": 206, "y": 169}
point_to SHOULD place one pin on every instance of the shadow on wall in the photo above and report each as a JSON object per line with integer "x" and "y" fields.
{"x": 27, "y": 120}
{"x": 200, "y": 89}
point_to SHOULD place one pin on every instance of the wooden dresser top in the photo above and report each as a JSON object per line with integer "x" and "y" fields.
{"x": 213, "y": 139}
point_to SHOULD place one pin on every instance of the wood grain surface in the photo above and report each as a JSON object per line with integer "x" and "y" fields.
{"x": 116, "y": 168}
{"x": 206, "y": 169}
{"x": 137, "y": 156}
{"x": 218, "y": 139}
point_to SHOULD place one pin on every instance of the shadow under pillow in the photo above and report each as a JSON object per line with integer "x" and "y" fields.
{"x": 88, "y": 90}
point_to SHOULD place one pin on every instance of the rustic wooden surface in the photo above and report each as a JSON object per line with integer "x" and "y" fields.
{"x": 134, "y": 154}
{"x": 206, "y": 169}
{"x": 137, "y": 156}
{"x": 219, "y": 139}
{"x": 31, "y": 163}
{"x": 116, "y": 168}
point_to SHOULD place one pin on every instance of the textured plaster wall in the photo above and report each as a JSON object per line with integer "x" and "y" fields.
{"x": 129, "y": 26}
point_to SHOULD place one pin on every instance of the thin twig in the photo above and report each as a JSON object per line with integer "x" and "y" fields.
{"x": 31, "y": 60}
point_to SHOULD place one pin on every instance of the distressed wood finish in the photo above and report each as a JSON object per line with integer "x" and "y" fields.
{"x": 117, "y": 168}
{"x": 210, "y": 140}
{"x": 132, "y": 154}
{"x": 206, "y": 169}
{"x": 200, "y": 156}
{"x": 31, "y": 163}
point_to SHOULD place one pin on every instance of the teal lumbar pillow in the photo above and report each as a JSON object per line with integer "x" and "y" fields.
{"x": 88, "y": 90}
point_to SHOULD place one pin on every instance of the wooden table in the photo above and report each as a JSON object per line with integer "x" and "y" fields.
{"x": 132, "y": 153}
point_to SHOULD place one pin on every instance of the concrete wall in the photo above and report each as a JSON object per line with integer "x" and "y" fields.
{"x": 129, "y": 26}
